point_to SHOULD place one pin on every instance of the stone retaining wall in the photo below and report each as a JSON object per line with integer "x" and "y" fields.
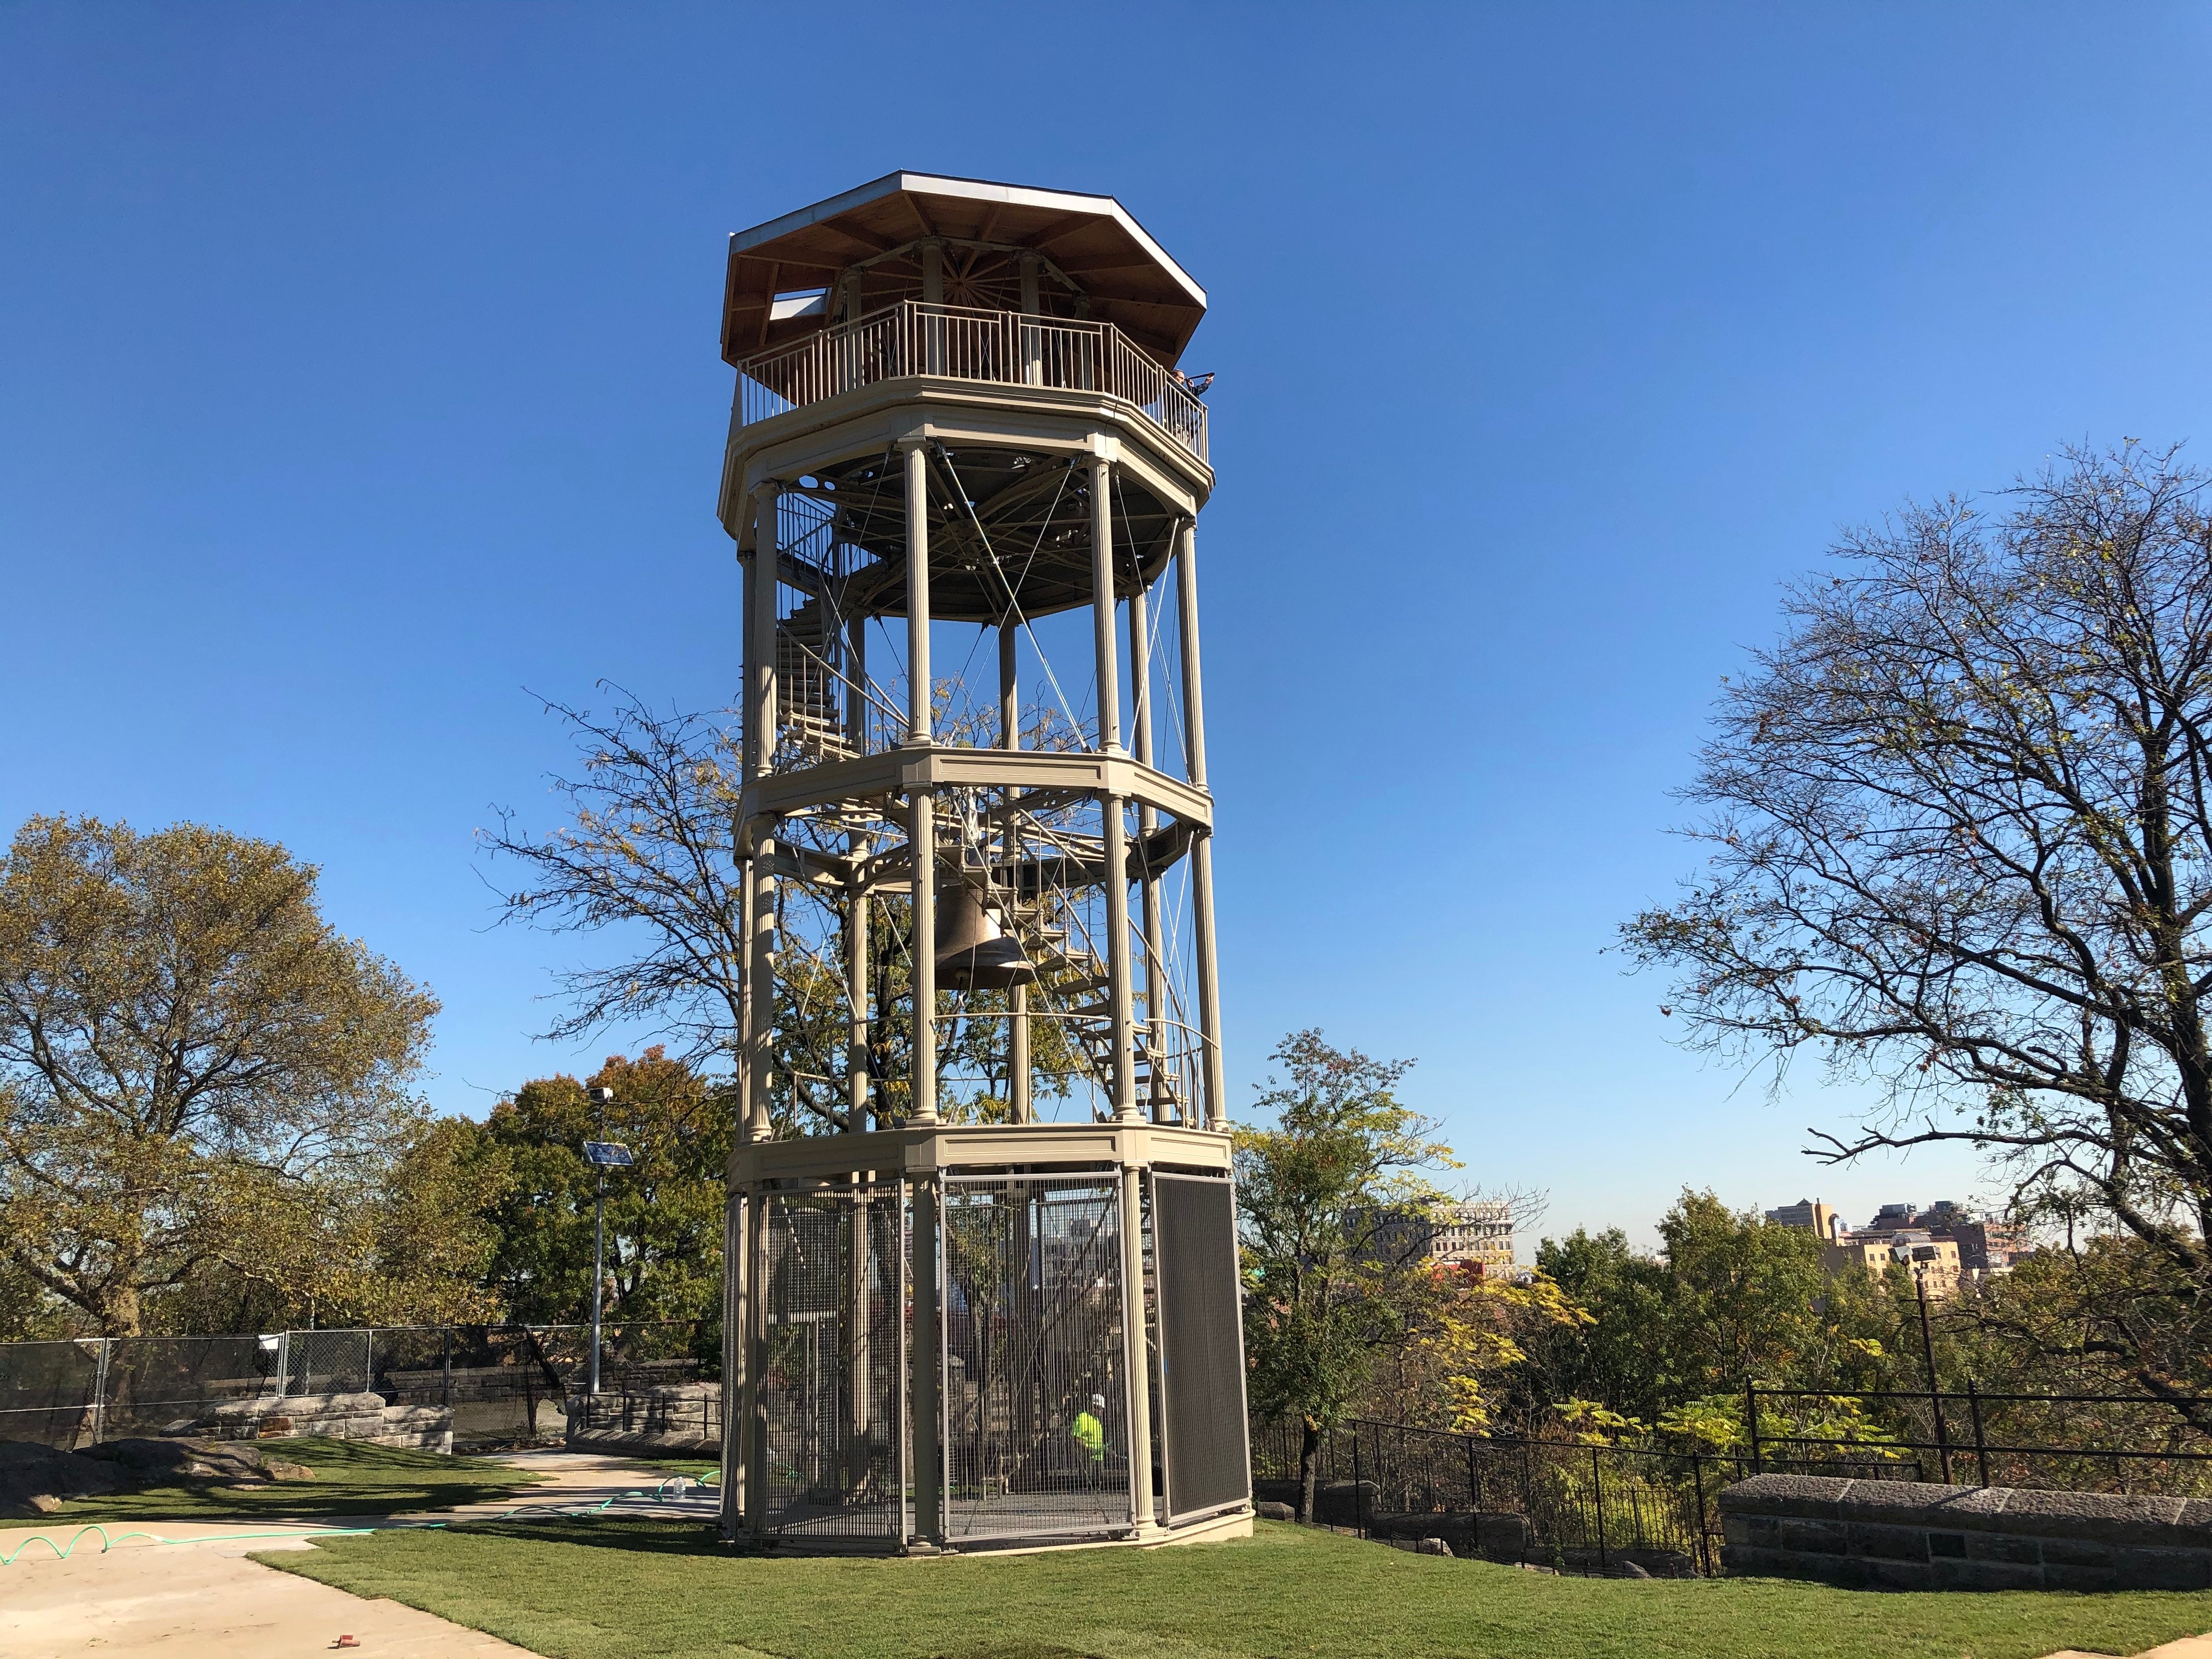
{"x": 332, "y": 1416}
{"x": 1902, "y": 1534}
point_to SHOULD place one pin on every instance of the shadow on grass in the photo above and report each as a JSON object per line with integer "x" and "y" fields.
{"x": 626, "y": 1533}
{"x": 351, "y": 1479}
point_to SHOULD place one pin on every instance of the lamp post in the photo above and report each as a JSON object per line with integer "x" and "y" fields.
{"x": 602, "y": 1155}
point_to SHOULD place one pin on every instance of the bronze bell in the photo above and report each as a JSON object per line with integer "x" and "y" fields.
{"x": 972, "y": 953}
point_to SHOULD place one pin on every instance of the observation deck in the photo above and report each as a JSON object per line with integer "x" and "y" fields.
{"x": 912, "y": 339}
{"x": 981, "y": 316}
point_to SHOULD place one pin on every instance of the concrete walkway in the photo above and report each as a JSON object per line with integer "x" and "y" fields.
{"x": 189, "y": 1600}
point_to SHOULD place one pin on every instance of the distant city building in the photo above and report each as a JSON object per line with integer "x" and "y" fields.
{"x": 1943, "y": 1243}
{"x": 1812, "y": 1216}
{"x": 1474, "y": 1232}
{"x": 1986, "y": 1244}
{"x": 1933, "y": 1260}
{"x": 1477, "y": 1229}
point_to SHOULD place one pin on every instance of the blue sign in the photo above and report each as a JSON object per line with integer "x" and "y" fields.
{"x": 607, "y": 1152}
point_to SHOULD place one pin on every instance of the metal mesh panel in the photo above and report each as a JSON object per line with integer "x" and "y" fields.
{"x": 502, "y": 1382}
{"x": 327, "y": 1362}
{"x": 1202, "y": 1344}
{"x": 153, "y": 1381}
{"x": 48, "y": 1391}
{"x": 1035, "y": 1382}
{"x": 830, "y": 1387}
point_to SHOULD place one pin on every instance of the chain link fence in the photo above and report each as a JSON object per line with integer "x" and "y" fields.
{"x": 504, "y": 1383}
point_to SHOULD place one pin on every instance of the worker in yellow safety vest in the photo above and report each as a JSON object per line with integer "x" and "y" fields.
{"x": 1089, "y": 1433}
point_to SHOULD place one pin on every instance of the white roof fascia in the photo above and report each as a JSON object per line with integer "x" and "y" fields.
{"x": 926, "y": 184}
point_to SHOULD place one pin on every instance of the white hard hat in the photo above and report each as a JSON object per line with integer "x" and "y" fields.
{"x": 1098, "y": 1402}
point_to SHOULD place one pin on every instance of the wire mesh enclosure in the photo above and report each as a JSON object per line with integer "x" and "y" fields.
{"x": 835, "y": 1341}
{"x": 1013, "y": 1350}
{"x": 1036, "y": 1393}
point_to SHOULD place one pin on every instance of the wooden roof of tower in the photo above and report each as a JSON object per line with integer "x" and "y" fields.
{"x": 1128, "y": 278}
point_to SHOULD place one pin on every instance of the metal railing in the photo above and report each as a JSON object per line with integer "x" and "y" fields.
{"x": 688, "y": 1414}
{"x": 2134, "y": 1444}
{"x": 1002, "y": 348}
{"x": 1593, "y": 1508}
{"x": 1573, "y": 1507}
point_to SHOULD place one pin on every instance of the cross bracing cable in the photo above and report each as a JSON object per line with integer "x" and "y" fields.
{"x": 1013, "y": 587}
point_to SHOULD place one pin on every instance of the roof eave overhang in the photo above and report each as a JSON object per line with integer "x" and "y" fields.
{"x": 979, "y": 189}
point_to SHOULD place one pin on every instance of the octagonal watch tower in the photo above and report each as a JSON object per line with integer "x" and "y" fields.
{"x": 981, "y": 1234}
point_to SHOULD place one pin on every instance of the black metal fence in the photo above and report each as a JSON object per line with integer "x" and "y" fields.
{"x": 1573, "y": 1508}
{"x": 684, "y": 1414}
{"x": 502, "y": 1382}
{"x": 2136, "y": 1443}
{"x": 1598, "y": 1508}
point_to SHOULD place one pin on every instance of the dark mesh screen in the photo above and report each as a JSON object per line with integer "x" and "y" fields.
{"x": 1201, "y": 1345}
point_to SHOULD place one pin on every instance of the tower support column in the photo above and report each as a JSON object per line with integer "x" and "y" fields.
{"x": 1116, "y": 840}
{"x": 1201, "y": 851}
{"x": 1018, "y": 1081}
{"x": 759, "y": 916}
{"x": 1137, "y": 1330}
{"x": 858, "y": 966}
{"x": 1116, "y": 836}
{"x": 1101, "y": 603}
{"x": 751, "y": 1405}
{"x": 737, "y": 1376}
{"x": 923, "y": 836}
{"x": 1162, "y": 1100}
{"x": 926, "y": 1356}
{"x": 923, "y": 841}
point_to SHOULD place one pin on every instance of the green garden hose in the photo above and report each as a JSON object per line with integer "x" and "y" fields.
{"x": 108, "y": 1541}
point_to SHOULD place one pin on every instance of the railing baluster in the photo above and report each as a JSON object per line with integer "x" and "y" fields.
{"x": 1001, "y": 347}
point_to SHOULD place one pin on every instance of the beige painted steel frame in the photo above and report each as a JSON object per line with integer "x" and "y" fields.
{"x": 1119, "y": 441}
{"x": 869, "y": 420}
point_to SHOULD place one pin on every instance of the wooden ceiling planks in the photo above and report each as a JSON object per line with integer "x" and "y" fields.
{"x": 1127, "y": 279}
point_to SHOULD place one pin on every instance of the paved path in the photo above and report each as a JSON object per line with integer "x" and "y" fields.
{"x": 205, "y": 1601}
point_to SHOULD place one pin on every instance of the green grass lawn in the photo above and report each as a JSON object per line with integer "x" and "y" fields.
{"x": 351, "y": 1478}
{"x": 624, "y": 1589}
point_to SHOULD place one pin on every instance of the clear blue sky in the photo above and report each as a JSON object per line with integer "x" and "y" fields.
{"x": 358, "y": 370}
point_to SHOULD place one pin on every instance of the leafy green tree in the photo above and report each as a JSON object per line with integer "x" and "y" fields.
{"x": 408, "y": 1246}
{"x": 1730, "y": 1299}
{"x": 664, "y": 1213}
{"x": 1331, "y": 1268}
{"x": 1466, "y": 1340}
{"x": 1608, "y": 1357}
{"x": 197, "y": 1071}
